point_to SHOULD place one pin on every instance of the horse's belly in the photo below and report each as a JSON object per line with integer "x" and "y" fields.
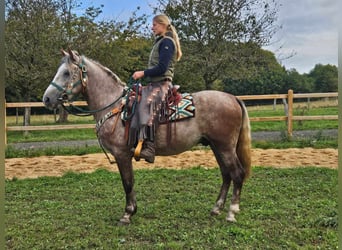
{"x": 179, "y": 138}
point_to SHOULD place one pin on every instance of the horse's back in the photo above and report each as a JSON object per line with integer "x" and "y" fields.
{"x": 218, "y": 118}
{"x": 215, "y": 104}
{"x": 219, "y": 115}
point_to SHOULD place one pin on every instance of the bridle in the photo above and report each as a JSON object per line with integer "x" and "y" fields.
{"x": 68, "y": 90}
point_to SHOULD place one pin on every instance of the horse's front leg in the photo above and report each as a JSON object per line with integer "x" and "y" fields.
{"x": 127, "y": 177}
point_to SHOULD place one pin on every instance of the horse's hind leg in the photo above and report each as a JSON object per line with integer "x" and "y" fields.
{"x": 231, "y": 170}
{"x": 237, "y": 174}
{"x": 226, "y": 180}
{"x": 234, "y": 207}
{"x": 221, "y": 199}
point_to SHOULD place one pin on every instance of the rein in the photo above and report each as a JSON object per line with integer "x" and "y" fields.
{"x": 91, "y": 112}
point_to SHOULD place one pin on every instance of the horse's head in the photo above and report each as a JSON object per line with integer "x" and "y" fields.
{"x": 69, "y": 81}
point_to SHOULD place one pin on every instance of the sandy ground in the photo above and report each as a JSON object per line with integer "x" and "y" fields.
{"x": 58, "y": 165}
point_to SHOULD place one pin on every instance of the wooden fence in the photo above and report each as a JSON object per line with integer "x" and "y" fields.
{"x": 287, "y": 98}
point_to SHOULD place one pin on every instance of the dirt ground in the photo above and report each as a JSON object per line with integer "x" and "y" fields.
{"x": 58, "y": 165}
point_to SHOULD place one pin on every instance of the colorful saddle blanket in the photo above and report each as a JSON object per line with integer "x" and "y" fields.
{"x": 183, "y": 110}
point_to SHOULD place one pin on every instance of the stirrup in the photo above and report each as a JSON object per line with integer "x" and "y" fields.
{"x": 138, "y": 150}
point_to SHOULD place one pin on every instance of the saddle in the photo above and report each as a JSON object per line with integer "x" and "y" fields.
{"x": 176, "y": 107}
{"x": 173, "y": 98}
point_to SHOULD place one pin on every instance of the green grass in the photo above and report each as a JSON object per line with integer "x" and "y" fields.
{"x": 316, "y": 141}
{"x": 54, "y": 135}
{"x": 297, "y": 125}
{"x": 280, "y": 209}
{"x": 11, "y": 152}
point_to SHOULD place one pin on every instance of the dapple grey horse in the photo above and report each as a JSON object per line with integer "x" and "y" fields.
{"x": 221, "y": 121}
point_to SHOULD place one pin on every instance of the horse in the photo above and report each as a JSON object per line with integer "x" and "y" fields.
{"x": 221, "y": 121}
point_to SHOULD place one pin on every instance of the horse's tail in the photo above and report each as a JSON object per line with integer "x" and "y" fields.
{"x": 243, "y": 148}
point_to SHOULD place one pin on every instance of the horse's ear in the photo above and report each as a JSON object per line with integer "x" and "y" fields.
{"x": 64, "y": 53}
{"x": 72, "y": 55}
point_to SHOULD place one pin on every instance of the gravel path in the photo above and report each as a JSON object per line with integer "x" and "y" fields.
{"x": 256, "y": 136}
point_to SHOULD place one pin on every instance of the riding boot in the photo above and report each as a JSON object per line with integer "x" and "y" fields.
{"x": 148, "y": 151}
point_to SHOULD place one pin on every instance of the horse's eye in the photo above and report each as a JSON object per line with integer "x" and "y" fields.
{"x": 66, "y": 73}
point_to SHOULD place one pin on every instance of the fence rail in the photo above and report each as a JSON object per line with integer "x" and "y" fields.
{"x": 289, "y": 118}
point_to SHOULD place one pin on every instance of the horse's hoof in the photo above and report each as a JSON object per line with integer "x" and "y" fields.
{"x": 124, "y": 222}
{"x": 215, "y": 212}
{"x": 235, "y": 208}
{"x": 231, "y": 219}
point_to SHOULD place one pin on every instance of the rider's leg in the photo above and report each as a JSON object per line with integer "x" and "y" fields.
{"x": 145, "y": 148}
{"x": 148, "y": 152}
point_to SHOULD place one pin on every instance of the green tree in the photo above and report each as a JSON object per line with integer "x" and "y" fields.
{"x": 325, "y": 78}
{"x": 299, "y": 83}
{"x": 121, "y": 46}
{"x": 29, "y": 39}
{"x": 29, "y": 42}
{"x": 263, "y": 75}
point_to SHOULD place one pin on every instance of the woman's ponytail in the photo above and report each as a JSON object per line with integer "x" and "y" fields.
{"x": 176, "y": 39}
{"x": 171, "y": 32}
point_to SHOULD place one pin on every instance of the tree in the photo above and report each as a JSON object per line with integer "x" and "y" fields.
{"x": 212, "y": 32}
{"x": 29, "y": 42}
{"x": 263, "y": 76}
{"x": 325, "y": 78}
{"x": 297, "y": 82}
{"x": 29, "y": 38}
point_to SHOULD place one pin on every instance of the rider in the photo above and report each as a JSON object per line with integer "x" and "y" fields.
{"x": 165, "y": 53}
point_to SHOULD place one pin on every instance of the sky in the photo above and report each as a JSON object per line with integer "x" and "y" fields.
{"x": 309, "y": 33}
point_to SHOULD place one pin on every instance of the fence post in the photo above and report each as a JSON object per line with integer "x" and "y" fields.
{"x": 5, "y": 126}
{"x": 290, "y": 113}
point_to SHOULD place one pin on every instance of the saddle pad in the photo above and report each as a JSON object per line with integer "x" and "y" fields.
{"x": 185, "y": 109}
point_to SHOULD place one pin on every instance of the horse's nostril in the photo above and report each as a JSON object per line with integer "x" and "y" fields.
{"x": 46, "y": 100}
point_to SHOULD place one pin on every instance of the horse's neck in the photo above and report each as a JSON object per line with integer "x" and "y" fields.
{"x": 102, "y": 89}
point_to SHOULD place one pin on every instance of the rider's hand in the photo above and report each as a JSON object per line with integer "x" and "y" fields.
{"x": 138, "y": 75}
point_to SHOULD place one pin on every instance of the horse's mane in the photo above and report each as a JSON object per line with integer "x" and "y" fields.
{"x": 107, "y": 70}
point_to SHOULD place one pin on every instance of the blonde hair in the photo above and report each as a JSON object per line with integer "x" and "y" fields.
{"x": 171, "y": 32}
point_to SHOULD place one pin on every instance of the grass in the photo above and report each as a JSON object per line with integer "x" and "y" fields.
{"x": 316, "y": 141}
{"x": 11, "y": 152}
{"x": 54, "y": 135}
{"x": 280, "y": 209}
{"x": 297, "y": 125}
